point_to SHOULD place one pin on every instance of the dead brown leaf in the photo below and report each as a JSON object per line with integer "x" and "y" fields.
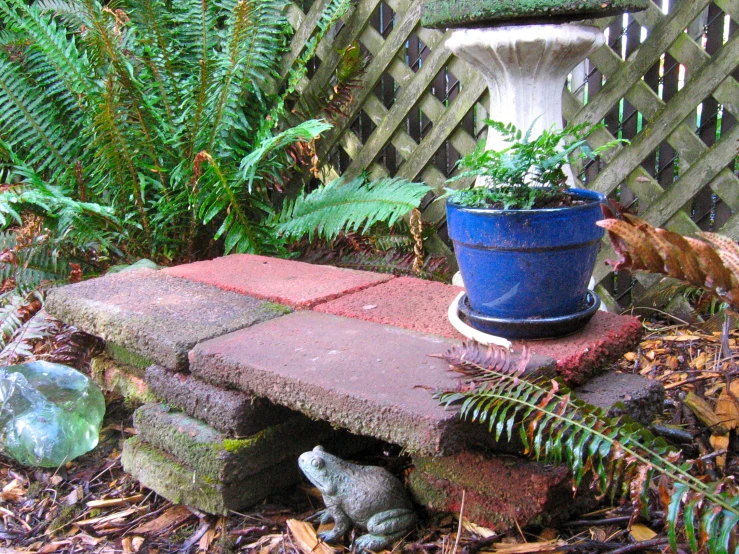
{"x": 641, "y": 533}
{"x": 13, "y": 492}
{"x": 727, "y": 409}
{"x": 113, "y": 502}
{"x": 174, "y": 516}
{"x": 529, "y": 547}
{"x": 102, "y": 520}
{"x": 720, "y": 442}
{"x": 478, "y": 530}
{"x": 305, "y": 538}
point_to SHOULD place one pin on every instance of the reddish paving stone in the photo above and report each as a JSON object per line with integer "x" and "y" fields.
{"x": 404, "y": 302}
{"x": 500, "y": 491}
{"x": 422, "y": 306}
{"x": 371, "y": 379}
{"x": 154, "y": 315}
{"x": 296, "y": 284}
{"x": 602, "y": 341}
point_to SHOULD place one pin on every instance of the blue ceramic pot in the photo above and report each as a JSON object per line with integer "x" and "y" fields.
{"x": 519, "y": 264}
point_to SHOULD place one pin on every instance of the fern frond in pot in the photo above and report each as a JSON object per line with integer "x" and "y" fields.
{"x": 624, "y": 458}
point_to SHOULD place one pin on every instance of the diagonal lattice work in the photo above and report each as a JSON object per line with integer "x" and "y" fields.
{"x": 666, "y": 79}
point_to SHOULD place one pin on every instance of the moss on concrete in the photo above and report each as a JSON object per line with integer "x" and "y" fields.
{"x": 276, "y": 308}
{"x": 182, "y": 484}
{"x": 221, "y": 458}
{"x": 487, "y": 13}
{"x": 112, "y": 376}
{"x": 136, "y": 362}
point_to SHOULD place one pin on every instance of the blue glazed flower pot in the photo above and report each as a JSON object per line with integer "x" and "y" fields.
{"x": 526, "y": 264}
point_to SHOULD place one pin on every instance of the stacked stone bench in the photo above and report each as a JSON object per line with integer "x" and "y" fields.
{"x": 243, "y": 362}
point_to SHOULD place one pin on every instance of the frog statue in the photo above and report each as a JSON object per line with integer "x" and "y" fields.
{"x": 369, "y": 497}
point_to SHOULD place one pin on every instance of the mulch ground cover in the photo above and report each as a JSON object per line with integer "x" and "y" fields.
{"x": 91, "y": 505}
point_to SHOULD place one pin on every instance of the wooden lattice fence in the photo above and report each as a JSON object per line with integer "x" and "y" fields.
{"x": 666, "y": 79}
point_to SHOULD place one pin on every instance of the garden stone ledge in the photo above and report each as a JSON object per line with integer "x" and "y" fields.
{"x": 500, "y": 492}
{"x": 219, "y": 457}
{"x": 371, "y": 379}
{"x": 232, "y": 412}
{"x": 421, "y": 306}
{"x": 181, "y": 484}
{"x": 155, "y": 315}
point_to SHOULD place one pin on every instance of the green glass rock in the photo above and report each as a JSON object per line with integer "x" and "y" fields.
{"x": 49, "y": 413}
{"x": 490, "y": 13}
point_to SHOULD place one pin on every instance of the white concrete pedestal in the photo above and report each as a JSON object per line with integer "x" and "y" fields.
{"x": 525, "y": 67}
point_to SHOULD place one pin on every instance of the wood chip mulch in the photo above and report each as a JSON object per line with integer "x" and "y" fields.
{"x": 91, "y": 505}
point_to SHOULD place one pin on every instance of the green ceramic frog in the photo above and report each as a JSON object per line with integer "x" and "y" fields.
{"x": 368, "y": 497}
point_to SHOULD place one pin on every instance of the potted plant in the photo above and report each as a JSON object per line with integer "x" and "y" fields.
{"x": 526, "y": 243}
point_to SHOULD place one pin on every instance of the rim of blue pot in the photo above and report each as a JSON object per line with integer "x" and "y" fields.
{"x": 597, "y": 197}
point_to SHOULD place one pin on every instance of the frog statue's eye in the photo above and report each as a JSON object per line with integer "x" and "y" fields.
{"x": 317, "y": 463}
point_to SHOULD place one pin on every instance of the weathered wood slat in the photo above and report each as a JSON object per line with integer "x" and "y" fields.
{"x": 457, "y": 109}
{"x": 357, "y": 21}
{"x": 304, "y": 25}
{"x": 374, "y": 72}
{"x": 395, "y": 117}
{"x": 710, "y": 164}
{"x": 649, "y": 52}
{"x": 705, "y": 81}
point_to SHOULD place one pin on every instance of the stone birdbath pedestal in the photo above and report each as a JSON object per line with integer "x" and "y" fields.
{"x": 525, "y": 49}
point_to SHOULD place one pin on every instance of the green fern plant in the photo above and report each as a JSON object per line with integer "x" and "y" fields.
{"x": 348, "y": 207}
{"x": 624, "y": 458}
{"x": 106, "y": 107}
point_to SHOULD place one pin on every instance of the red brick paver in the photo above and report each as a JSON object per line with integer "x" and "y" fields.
{"x": 422, "y": 306}
{"x": 295, "y": 284}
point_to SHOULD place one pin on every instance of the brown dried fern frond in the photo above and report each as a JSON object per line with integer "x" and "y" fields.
{"x": 711, "y": 263}
{"x": 473, "y": 358}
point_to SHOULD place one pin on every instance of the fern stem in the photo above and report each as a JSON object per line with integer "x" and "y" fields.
{"x": 241, "y": 13}
{"x": 120, "y": 141}
{"x": 202, "y": 82}
{"x": 234, "y": 203}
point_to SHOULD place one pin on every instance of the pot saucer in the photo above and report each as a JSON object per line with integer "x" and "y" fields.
{"x": 541, "y": 328}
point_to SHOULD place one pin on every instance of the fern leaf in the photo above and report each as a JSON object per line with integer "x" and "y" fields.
{"x": 21, "y": 344}
{"x": 29, "y": 123}
{"x": 250, "y": 55}
{"x": 69, "y": 69}
{"x": 555, "y": 428}
{"x": 711, "y": 263}
{"x": 305, "y": 132}
{"x": 354, "y": 206}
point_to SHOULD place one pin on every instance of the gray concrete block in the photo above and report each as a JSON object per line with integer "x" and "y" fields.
{"x": 230, "y": 411}
{"x": 223, "y": 459}
{"x": 155, "y": 315}
{"x": 624, "y": 393}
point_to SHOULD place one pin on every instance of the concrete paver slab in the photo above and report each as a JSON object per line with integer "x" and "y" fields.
{"x": 155, "y": 315}
{"x": 295, "y": 284}
{"x": 640, "y": 398}
{"x": 371, "y": 379}
{"x": 181, "y": 484}
{"x": 231, "y": 412}
{"x": 404, "y": 302}
{"x": 500, "y": 491}
{"x": 422, "y": 306}
{"x": 224, "y": 459}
